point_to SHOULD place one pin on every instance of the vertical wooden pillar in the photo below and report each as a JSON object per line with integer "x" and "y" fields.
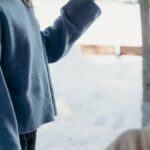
{"x": 144, "y": 8}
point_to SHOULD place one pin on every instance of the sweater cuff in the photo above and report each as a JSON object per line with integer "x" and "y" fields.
{"x": 81, "y": 13}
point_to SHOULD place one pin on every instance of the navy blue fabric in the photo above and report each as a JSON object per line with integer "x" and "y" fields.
{"x": 26, "y": 94}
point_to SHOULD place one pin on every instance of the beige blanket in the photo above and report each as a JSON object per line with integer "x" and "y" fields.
{"x": 132, "y": 140}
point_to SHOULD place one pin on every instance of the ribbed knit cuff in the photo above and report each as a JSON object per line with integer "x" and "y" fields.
{"x": 81, "y": 13}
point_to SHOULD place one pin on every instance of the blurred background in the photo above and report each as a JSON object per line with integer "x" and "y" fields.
{"x": 98, "y": 85}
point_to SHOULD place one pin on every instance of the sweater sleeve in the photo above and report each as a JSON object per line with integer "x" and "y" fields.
{"x": 9, "y": 137}
{"x": 76, "y": 16}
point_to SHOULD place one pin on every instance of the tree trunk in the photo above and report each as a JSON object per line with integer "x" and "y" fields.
{"x": 144, "y": 7}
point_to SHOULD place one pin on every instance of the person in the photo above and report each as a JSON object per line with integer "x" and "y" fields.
{"x": 134, "y": 139}
{"x": 27, "y": 98}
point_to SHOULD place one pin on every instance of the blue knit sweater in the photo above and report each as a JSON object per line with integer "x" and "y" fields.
{"x": 26, "y": 95}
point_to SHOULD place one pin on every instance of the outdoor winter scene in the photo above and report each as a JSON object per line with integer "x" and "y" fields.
{"x": 98, "y": 84}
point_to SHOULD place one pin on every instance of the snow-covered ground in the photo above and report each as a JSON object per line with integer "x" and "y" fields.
{"x": 98, "y": 97}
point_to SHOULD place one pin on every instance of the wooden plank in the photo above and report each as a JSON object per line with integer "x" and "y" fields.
{"x": 98, "y": 49}
{"x": 110, "y": 50}
{"x": 128, "y": 50}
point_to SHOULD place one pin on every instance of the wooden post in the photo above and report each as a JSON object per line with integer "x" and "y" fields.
{"x": 144, "y": 8}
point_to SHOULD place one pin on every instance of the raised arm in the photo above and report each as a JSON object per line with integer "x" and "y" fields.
{"x": 9, "y": 136}
{"x": 76, "y": 16}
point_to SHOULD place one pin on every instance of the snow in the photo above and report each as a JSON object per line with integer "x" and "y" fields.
{"x": 98, "y": 97}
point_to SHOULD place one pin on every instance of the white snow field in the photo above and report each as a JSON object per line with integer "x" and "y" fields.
{"x": 98, "y": 97}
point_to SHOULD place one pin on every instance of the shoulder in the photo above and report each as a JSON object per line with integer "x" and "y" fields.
{"x": 7, "y": 9}
{"x": 9, "y": 5}
{"x": 5, "y": 6}
{"x": 6, "y": 3}
{"x": 10, "y": 8}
